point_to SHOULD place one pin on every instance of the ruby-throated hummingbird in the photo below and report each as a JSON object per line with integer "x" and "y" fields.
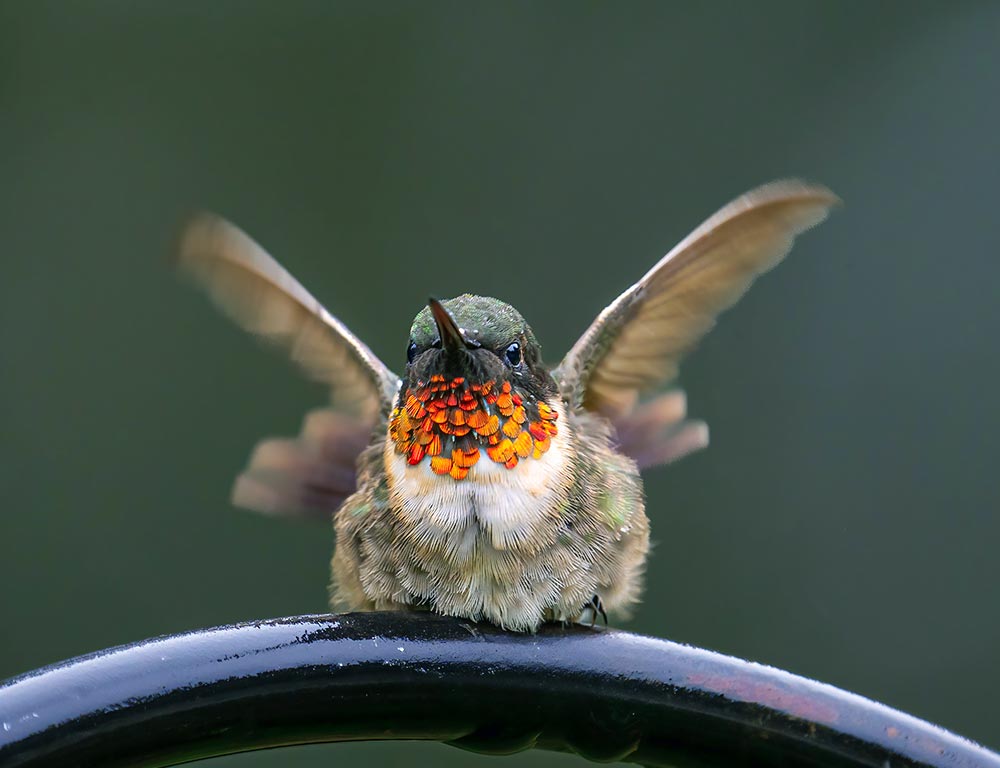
{"x": 482, "y": 484}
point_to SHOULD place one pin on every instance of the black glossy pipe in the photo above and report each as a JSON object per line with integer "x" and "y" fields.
{"x": 604, "y": 694}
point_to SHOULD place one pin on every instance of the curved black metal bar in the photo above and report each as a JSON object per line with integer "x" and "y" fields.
{"x": 604, "y": 694}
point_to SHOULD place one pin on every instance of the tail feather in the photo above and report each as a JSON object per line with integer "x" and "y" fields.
{"x": 309, "y": 476}
{"x": 656, "y": 432}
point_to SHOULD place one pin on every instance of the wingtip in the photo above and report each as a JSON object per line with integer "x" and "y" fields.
{"x": 190, "y": 231}
{"x": 794, "y": 187}
{"x": 194, "y": 231}
{"x": 812, "y": 203}
{"x": 823, "y": 193}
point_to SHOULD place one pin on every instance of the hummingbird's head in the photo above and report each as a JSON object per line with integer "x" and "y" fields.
{"x": 479, "y": 339}
{"x": 474, "y": 380}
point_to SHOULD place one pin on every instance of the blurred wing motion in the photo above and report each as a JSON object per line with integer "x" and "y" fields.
{"x": 636, "y": 344}
{"x": 314, "y": 473}
{"x": 308, "y": 476}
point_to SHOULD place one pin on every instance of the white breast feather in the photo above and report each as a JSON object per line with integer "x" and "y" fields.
{"x": 503, "y": 504}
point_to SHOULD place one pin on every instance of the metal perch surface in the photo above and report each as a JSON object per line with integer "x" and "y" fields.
{"x": 604, "y": 694}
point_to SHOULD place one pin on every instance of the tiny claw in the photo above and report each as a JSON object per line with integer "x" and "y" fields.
{"x": 596, "y": 607}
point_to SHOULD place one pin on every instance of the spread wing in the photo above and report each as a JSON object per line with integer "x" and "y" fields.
{"x": 315, "y": 471}
{"x": 636, "y": 344}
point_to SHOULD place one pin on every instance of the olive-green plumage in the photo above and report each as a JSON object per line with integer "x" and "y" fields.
{"x": 481, "y": 484}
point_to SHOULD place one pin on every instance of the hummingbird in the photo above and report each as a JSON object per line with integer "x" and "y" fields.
{"x": 480, "y": 483}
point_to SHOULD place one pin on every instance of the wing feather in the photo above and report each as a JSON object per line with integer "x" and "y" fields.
{"x": 311, "y": 475}
{"x": 264, "y": 299}
{"x": 636, "y": 344}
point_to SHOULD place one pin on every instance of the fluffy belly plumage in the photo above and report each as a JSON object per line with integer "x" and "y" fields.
{"x": 494, "y": 545}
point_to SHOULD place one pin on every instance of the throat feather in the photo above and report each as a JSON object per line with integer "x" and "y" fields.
{"x": 451, "y": 423}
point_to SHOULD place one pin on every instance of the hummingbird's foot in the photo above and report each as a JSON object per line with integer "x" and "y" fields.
{"x": 595, "y": 607}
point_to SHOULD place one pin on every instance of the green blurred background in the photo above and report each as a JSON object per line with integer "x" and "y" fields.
{"x": 843, "y": 524}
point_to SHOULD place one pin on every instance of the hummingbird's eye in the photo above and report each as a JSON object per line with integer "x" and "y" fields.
{"x": 411, "y": 352}
{"x": 513, "y": 354}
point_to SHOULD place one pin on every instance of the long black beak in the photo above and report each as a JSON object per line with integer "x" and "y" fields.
{"x": 451, "y": 335}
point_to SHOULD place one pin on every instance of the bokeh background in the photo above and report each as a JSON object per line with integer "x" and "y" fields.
{"x": 843, "y": 524}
